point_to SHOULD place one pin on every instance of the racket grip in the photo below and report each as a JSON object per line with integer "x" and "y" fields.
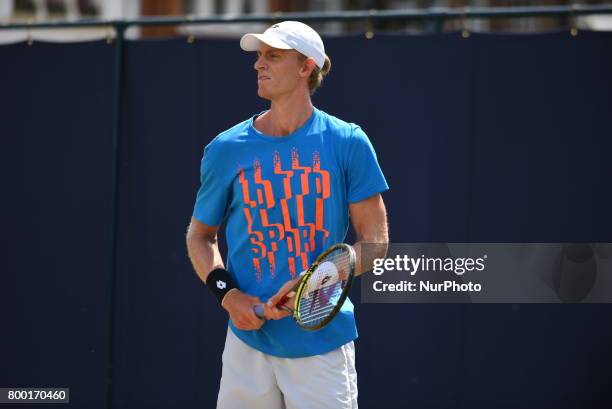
{"x": 259, "y": 310}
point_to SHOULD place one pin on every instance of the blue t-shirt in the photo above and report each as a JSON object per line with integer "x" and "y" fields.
{"x": 284, "y": 200}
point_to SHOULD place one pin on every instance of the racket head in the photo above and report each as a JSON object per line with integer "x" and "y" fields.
{"x": 324, "y": 287}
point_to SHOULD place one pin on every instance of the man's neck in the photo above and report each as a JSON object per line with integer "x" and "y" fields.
{"x": 284, "y": 117}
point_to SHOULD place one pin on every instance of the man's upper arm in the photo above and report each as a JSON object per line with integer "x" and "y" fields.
{"x": 364, "y": 175}
{"x": 215, "y": 185}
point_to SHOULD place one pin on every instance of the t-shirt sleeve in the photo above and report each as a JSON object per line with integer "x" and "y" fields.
{"x": 212, "y": 197}
{"x": 364, "y": 175}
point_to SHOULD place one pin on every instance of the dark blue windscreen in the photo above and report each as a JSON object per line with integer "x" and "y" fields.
{"x": 491, "y": 138}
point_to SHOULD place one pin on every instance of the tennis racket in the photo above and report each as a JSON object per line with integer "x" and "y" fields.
{"x": 322, "y": 289}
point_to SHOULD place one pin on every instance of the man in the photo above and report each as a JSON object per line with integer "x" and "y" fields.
{"x": 284, "y": 183}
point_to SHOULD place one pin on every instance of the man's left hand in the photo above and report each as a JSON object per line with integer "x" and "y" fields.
{"x": 272, "y": 311}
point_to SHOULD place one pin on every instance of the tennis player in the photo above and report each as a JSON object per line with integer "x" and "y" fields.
{"x": 284, "y": 183}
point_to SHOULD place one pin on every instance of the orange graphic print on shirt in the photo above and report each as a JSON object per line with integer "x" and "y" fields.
{"x": 287, "y": 213}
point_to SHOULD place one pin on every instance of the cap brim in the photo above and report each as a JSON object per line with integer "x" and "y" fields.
{"x": 252, "y": 42}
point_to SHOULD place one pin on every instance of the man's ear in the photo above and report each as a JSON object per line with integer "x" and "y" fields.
{"x": 308, "y": 66}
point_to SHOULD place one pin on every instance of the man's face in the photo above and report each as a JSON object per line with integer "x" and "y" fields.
{"x": 278, "y": 71}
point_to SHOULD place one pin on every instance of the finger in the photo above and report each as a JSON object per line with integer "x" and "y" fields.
{"x": 275, "y": 313}
{"x": 253, "y": 320}
{"x": 285, "y": 290}
{"x": 286, "y": 303}
{"x": 274, "y": 299}
{"x": 280, "y": 314}
{"x": 248, "y": 324}
{"x": 286, "y": 310}
{"x": 253, "y": 325}
{"x": 240, "y": 325}
{"x": 241, "y": 321}
{"x": 270, "y": 311}
{"x": 260, "y": 323}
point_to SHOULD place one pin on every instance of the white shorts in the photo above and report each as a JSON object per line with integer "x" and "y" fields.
{"x": 254, "y": 380}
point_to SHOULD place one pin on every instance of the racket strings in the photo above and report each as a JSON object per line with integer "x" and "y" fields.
{"x": 320, "y": 296}
{"x": 341, "y": 260}
{"x": 316, "y": 318}
{"x": 313, "y": 307}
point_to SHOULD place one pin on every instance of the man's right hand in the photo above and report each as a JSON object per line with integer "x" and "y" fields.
{"x": 240, "y": 308}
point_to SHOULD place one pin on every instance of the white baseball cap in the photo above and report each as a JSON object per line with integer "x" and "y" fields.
{"x": 288, "y": 35}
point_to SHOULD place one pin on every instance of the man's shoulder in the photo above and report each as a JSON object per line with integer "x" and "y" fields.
{"x": 229, "y": 137}
{"x": 337, "y": 126}
{"x": 235, "y": 132}
{"x": 334, "y": 121}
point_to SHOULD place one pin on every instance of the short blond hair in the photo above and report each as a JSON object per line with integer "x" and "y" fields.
{"x": 318, "y": 74}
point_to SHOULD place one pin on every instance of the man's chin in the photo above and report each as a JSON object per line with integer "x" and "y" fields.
{"x": 265, "y": 95}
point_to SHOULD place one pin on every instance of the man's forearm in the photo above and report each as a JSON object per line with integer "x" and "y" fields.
{"x": 369, "y": 219}
{"x": 375, "y": 247}
{"x": 204, "y": 254}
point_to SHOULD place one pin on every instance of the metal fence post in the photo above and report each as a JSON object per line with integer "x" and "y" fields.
{"x": 120, "y": 27}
